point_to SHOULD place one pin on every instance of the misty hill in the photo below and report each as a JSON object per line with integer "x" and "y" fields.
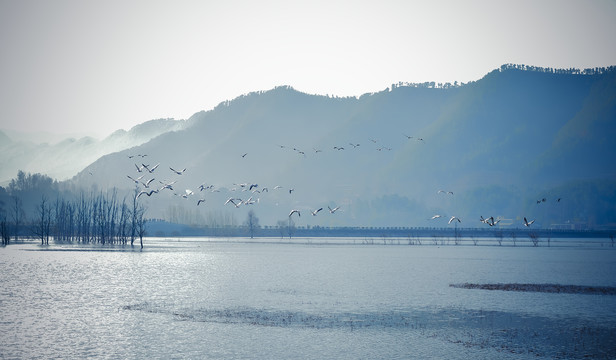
{"x": 499, "y": 144}
{"x": 66, "y": 158}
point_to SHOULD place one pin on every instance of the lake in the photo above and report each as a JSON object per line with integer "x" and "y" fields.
{"x": 308, "y": 298}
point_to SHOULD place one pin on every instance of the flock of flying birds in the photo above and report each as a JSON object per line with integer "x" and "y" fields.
{"x": 489, "y": 221}
{"x": 149, "y": 189}
{"x": 254, "y": 189}
{"x": 146, "y": 180}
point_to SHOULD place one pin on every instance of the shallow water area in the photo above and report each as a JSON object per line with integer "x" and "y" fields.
{"x": 304, "y": 298}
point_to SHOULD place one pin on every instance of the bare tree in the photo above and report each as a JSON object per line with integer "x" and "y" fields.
{"x": 134, "y": 213}
{"x": 4, "y": 228}
{"x": 141, "y": 222}
{"x": 18, "y": 215}
{"x": 252, "y": 222}
{"x": 281, "y": 225}
{"x": 290, "y": 227}
{"x": 43, "y": 225}
{"x": 534, "y": 238}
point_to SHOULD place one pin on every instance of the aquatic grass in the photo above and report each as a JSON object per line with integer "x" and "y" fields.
{"x": 545, "y": 288}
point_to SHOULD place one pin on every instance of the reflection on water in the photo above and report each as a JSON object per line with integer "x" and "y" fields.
{"x": 195, "y": 298}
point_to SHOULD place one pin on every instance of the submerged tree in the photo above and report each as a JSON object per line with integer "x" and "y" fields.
{"x": 141, "y": 221}
{"x": 18, "y": 215}
{"x": 4, "y": 226}
{"x": 252, "y": 223}
{"x": 43, "y": 226}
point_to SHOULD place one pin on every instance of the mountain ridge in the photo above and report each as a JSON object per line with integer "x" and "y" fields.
{"x": 508, "y": 130}
{"x": 500, "y": 144}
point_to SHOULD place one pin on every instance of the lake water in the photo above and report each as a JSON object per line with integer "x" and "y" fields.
{"x": 317, "y": 299}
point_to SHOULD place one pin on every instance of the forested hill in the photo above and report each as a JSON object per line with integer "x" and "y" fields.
{"x": 498, "y": 144}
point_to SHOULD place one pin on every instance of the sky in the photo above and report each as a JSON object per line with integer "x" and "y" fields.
{"x": 92, "y": 67}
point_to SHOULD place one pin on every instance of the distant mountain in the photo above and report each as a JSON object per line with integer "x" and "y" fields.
{"x": 66, "y": 158}
{"x": 498, "y": 144}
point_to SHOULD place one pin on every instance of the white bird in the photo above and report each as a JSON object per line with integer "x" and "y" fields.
{"x": 177, "y": 172}
{"x": 331, "y": 211}
{"x": 314, "y": 213}
{"x": 490, "y": 221}
{"x": 528, "y": 223}
{"x": 148, "y": 169}
{"x": 189, "y": 192}
{"x": 139, "y": 168}
{"x": 148, "y": 193}
{"x": 233, "y": 201}
{"x": 452, "y": 219}
{"x": 435, "y": 217}
{"x": 167, "y": 185}
{"x": 295, "y": 211}
{"x": 147, "y": 183}
{"x": 135, "y": 180}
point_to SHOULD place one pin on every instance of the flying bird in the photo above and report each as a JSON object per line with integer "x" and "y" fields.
{"x": 490, "y": 221}
{"x": 435, "y": 217}
{"x": 148, "y": 193}
{"x": 453, "y": 218}
{"x": 167, "y": 185}
{"x": 135, "y": 180}
{"x": 244, "y": 155}
{"x": 200, "y": 201}
{"x": 177, "y": 172}
{"x": 148, "y": 169}
{"x": 295, "y": 211}
{"x": 315, "y": 212}
{"x": 528, "y": 223}
{"x": 250, "y": 201}
{"x": 233, "y": 201}
{"x": 331, "y": 211}
{"x": 147, "y": 183}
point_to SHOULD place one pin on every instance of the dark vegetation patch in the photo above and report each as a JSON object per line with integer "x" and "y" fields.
{"x": 546, "y": 288}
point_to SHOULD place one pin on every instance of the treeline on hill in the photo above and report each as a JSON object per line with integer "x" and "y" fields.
{"x": 36, "y": 206}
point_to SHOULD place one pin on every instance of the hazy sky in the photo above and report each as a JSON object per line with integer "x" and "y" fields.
{"x": 97, "y": 66}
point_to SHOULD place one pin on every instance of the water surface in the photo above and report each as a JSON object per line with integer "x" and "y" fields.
{"x": 199, "y": 298}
